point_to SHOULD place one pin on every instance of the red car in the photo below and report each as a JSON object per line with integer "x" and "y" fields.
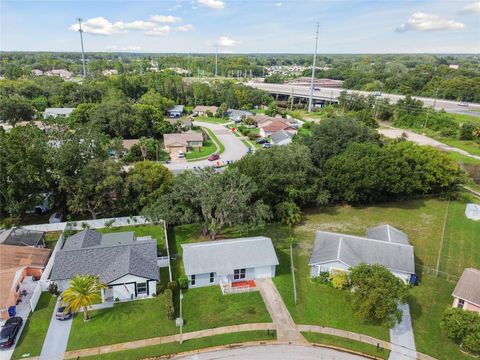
{"x": 213, "y": 157}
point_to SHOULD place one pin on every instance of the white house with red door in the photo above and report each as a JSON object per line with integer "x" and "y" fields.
{"x": 233, "y": 264}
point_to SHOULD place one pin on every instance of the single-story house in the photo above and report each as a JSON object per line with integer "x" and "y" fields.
{"x": 129, "y": 143}
{"x": 176, "y": 111}
{"x": 22, "y": 237}
{"x": 467, "y": 292}
{"x": 384, "y": 245}
{"x": 229, "y": 263}
{"x": 128, "y": 266}
{"x": 201, "y": 110}
{"x": 260, "y": 119}
{"x": 185, "y": 123}
{"x": 54, "y": 112}
{"x": 281, "y": 137}
{"x": 16, "y": 264}
{"x": 109, "y": 72}
{"x": 238, "y": 115}
{"x": 183, "y": 141}
{"x": 37, "y": 72}
{"x": 267, "y": 128}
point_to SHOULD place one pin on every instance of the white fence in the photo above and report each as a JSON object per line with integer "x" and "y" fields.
{"x": 91, "y": 224}
{"x": 35, "y": 296}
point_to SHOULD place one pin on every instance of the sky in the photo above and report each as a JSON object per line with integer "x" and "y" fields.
{"x": 242, "y": 26}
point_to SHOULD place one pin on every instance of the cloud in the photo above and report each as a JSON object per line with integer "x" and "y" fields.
{"x": 185, "y": 28}
{"x": 428, "y": 22}
{"x": 123, "y": 48}
{"x": 102, "y": 26}
{"x": 213, "y": 4}
{"x": 159, "y": 31}
{"x": 279, "y": 4}
{"x": 226, "y": 42}
{"x": 174, "y": 7}
{"x": 471, "y": 8}
{"x": 165, "y": 19}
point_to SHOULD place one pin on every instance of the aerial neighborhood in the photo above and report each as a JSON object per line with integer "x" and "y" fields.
{"x": 212, "y": 189}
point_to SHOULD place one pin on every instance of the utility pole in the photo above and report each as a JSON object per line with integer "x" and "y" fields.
{"x": 83, "y": 52}
{"x": 216, "y": 60}
{"x": 310, "y": 99}
{"x": 181, "y": 317}
{"x": 428, "y": 110}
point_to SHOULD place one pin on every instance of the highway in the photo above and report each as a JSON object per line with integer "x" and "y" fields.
{"x": 332, "y": 94}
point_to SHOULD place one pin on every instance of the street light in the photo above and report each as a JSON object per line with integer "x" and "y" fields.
{"x": 180, "y": 319}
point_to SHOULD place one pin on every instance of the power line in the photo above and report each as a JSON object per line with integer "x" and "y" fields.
{"x": 310, "y": 99}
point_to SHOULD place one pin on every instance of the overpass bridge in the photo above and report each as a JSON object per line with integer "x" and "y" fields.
{"x": 331, "y": 95}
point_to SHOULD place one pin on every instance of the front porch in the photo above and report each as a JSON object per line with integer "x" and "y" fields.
{"x": 237, "y": 287}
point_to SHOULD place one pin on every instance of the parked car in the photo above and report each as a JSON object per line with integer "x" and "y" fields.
{"x": 9, "y": 331}
{"x": 181, "y": 154}
{"x": 61, "y": 314}
{"x": 267, "y": 145}
{"x": 55, "y": 218}
{"x": 377, "y": 93}
{"x": 213, "y": 157}
{"x": 316, "y": 88}
{"x": 262, "y": 141}
{"x": 168, "y": 161}
{"x": 463, "y": 103}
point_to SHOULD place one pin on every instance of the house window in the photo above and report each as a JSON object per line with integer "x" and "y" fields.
{"x": 239, "y": 274}
{"x": 141, "y": 288}
{"x": 192, "y": 279}
{"x": 461, "y": 303}
{"x": 212, "y": 277}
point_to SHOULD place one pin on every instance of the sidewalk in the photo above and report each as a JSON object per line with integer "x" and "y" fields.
{"x": 286, "y": 329}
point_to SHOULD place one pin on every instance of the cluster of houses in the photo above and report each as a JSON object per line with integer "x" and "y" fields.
{"x": 129, "y": 265}
{"x": 63, "y": 73}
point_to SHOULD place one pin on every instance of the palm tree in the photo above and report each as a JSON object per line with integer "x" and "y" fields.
{"x": 143, "y": 143}
{"x": 81, "y": 293}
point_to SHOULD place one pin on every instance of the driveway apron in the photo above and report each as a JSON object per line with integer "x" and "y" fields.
{"x": 286, "y": 329}
{"x": 402, "y": 339}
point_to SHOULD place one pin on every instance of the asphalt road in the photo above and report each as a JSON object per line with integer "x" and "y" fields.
{"x": 234, "y": 149}
{"x": 274, "y": 352}
{"x": 326, "y": 93}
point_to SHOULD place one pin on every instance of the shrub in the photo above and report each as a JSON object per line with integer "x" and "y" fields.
{"x": 85, "y": 225}
{"x": 466, "y": 131}
{"x": 117, "y": 299}
{"x": 160, "y": 288}
{"x": 323, "y": 277}
{"x": 169, "y": 309}
{"x": 252, "y": 135}
{"x": 463, "y": 327}
{"x": 109, "y": 223}
{"x": 53, "y": 288}
{"x": 209, "y": 113}
{"x": 340, "y": 280}
{"x": 172, "y": 285}
{"x": 7, "y": 223}
{"x": 183, "y": 281}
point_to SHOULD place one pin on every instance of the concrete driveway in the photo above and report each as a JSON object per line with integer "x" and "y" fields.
{"x": 56, "y": 340}
{"x": 423, "y": 140}
{"x": 402, "y": 339}
{"x": 234, "y": 149}
{"x": 274, "y": 352}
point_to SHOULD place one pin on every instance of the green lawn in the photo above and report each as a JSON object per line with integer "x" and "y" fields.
{"x": 347, "y": 344}
{"x": 156, "y": 231}
{"x": 471, "y": 147}
{"x": 463, "y": 118}
{"x": 33, "y": 335}
{"x": 461, "y": 246}
{"x": 462, "y": 159}
{"x": 194, "y": 344}
{"x": 427, "y": 303}
{"x": 207, "y": 149}
{"x": 51, "y": 239}
{"x": 207, "y": 307}
{"x": 212, "y": 120}
{"x": 127, "y": 321}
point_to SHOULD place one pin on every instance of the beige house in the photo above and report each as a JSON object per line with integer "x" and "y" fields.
{"x": 201, "y": 110}
{"x": 183, "y": 141}
{"x": 467, "y": 292}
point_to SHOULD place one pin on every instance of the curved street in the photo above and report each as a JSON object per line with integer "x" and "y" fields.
{"x": 274, "y": 352}
{"x": 234, "y": 148}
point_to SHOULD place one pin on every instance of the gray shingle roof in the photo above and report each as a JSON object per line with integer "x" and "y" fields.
{"x": 388, "y": 233}
{"x": 83, "y": 239}
{"x": 353, "y": 250}
{"x": 281, "y": 135}
{"x": 468, "y": 287}
{"x": 224, "y": 256}
{"x": 57, "y": 111}
{"x": 238, "y": 113}
{"x": 109, "y": 262}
